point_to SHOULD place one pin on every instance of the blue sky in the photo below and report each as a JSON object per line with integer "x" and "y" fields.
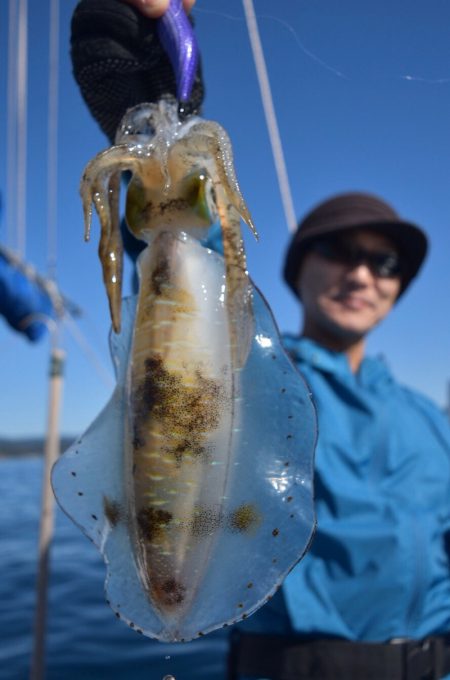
{"x": 362, "y": 95}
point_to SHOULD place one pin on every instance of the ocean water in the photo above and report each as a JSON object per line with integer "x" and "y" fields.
{"x": 84, "y": 639}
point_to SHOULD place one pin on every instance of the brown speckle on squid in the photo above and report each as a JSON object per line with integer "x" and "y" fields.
{"x": 245, "y": 518}
{"x": 174, "y": 205}
{"x": 112, "y": 511}
{"x": 206, "y": 521}
{"x": 160, "y": 275}
{"x": 169, "y": 593}
{"x": 191, "y": 411}
{"x": 152, "y": 522}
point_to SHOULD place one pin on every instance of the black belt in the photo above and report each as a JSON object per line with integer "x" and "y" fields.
{"x": 290, "y": 658}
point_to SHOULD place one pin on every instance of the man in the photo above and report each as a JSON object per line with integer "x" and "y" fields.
{"x": 378, "y": 567}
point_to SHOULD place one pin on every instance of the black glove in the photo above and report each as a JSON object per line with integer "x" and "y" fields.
{"x": 118, "y": 62}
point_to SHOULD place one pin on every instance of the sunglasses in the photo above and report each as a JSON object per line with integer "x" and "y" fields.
{"x": 384, "y": 264}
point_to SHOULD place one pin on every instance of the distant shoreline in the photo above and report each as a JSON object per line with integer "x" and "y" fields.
{"x": 29, "y": 446}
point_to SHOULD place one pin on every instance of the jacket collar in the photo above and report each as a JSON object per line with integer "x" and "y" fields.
{"x": 373, "y": 370}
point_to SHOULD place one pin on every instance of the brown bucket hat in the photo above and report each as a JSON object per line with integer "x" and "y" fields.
{"x": 352, "y": 211}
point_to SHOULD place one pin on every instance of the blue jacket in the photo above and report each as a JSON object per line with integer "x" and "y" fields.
{"x": 24, "y": 303}
{"x": 378, "y": 567}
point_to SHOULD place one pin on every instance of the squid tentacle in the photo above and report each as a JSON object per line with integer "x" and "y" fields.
{"x": 218, "y": 146}
{"x": 92, "y": 188}
{"x": 111, "y": 253}
{"x": 238, "y": 293}
{"x": 100, "y": 186}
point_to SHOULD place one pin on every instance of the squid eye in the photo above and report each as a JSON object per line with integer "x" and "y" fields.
{"x": 201, "y": 195}
{"x": 135, "y": 205}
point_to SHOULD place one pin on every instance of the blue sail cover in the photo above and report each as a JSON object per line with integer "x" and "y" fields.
{"x": 24, "y": 303}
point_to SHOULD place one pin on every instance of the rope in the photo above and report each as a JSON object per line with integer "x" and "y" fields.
{"x": 271, "y": 120}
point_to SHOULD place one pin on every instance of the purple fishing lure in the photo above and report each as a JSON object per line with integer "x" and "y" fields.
{"x": 178, "y": 39}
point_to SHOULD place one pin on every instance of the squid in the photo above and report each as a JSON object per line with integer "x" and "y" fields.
{"x": 195, "y": 481}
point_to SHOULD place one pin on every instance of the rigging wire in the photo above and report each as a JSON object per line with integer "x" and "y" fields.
{"x": 96, "y": 362}
{"x": 52, "y": 136}
{"x": 22, "y": 78}
{"x": 16, "y": 127}
{"x": 57, "y": 362}
{"x": 11, "y": 125}
{"x": 16, "y": 130}
{"x": 16, "y": 151}
{"x": 52, "y": 198}
{"x": 271, "y": 119}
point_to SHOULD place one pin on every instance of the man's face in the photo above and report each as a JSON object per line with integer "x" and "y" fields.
{"x": 345, "y": 295}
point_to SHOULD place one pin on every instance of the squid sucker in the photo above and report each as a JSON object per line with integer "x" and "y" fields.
{"x": 195, "y": 481}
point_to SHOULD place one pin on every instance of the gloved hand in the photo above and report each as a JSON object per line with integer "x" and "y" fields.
{"x": 118, "y": 61}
